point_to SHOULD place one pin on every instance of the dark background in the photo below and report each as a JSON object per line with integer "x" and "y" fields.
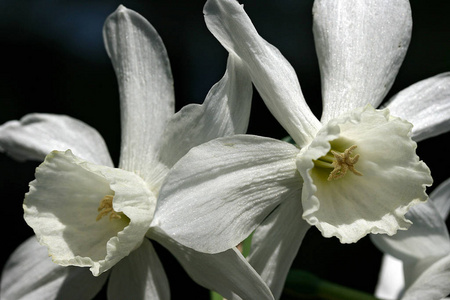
{"x": 53, "y": 60}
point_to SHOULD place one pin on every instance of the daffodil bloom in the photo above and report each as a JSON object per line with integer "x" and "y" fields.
{"x": 90, "y": 214}
{"x": 353, "y": 172}
{"x": 416, "y": 264}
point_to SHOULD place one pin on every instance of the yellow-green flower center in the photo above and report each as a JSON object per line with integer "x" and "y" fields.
{"x": 340, "y": 162}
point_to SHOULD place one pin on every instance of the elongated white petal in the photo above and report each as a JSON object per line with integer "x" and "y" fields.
{"x": 271, "y": 73}
{"x": 360, "y": 46}
{"x": 145, "y": 83}
{"x": 427, "y": 236}
{"x": 217, "y": 194}
{"x": 441, "y": 198}
{"x": 276, "y": 241}
{"x": 387, "y": 176}
{"x": 432, "y": 283}
{"x": 390, "y": 281}
{"x": 36, "y": 135}
{"x": 140, "y": 275}
{"x": 225, "y": 111}
{"x": 227, "y": 273}
{"x": 426, "y": 104}
{"x": 30, "y": 274}
{"x": 87, "y": 215}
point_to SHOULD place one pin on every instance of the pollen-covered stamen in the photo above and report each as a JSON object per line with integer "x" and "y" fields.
{"x": 344, "y": 162}
{"x": 106, "y": 208}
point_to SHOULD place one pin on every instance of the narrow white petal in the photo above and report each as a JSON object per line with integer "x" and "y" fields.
{"x": 139, "y": 276}
{"x": 391, "y": 176}
{"x": 360, "y": 46}
{"x": 225, "y": 111}
{"x": 271, "y": 73}
{"x": 36, "y": 135}
{"x": 426, "y": 104}
{"x": 227, "y": 273}
{"x": 441, "y": 198}
{"x": 217, "y": 194}
{"x": 145, "y": 83}
{"x": 30, "y": 274}
{"x": 63, "y": 208}
{"x": 276, "y": 241}
{"x": 390, "y": 281}
{"x": 432, "y": 283}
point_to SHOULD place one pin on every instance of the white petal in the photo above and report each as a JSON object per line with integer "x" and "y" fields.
{"x": 225, "y": 111}
{"x": 140, "y": 275}
{"x": 30, "y": 274}
{"x": 36, "y": 135}
{"x": 276, "y": 241}
{"x": 433, "y": 283}
{"x": 393, "y": 178}
{"x": 227, "y": 273}
{"x": 426, "y": 104}
{"x": 217, "y": 194}
{"x": 427, "y": 236}
{"x": 360, "y": 46}
{"x": 145, "y": 84}
{"x": 390, "y": 281}
{"x": 441, "y": 198}
{"x": 62, "y": 203}
{"x": 271, "y": 73}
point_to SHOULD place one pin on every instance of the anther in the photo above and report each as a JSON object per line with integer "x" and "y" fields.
{"x": 106, "y": 208}
{"x": 343, "y": 162}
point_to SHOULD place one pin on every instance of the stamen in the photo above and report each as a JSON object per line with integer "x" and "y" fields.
{"x": 344, "y": 162}
{"x": 106, "y": 208}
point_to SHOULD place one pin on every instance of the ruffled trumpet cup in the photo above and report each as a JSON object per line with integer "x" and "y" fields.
{"x": 361, "y": 174}
{"x": 87, "y": 215}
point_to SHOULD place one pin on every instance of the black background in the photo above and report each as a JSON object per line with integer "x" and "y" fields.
{"x": 53, "y": 60}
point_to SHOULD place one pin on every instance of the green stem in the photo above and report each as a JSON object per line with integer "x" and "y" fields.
{"x": 332, "y": 291}
{"x": 304, "y": 285}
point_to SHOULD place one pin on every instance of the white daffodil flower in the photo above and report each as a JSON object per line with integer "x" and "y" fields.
{"x": 354, "y": 172}
{"x": 416, "y": 264}
{"x": 90, "y": 214}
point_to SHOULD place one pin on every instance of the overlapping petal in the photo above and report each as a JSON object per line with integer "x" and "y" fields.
{"x": 428, "y": 237}
{"x": 423, "y": 249}
{"x": 145, "y": 82}
{"x": 139, "y": 276}
{"x": 426, "y": 104}
{"x": 30, "y": 274}
{"x": 64, "y": 208}
{"x": 225, "y": 111}
{"x": 285, "y": 229}
{"x": 227, "y": 273}
{"x": 360, "y": 46}
{"x": 249, "y": 175}
{"x": 392, "y": 179}
{"x": 441, "y": 198}
{"x": 36, "y": 135}
{"x": 271, "y": 73}
{"x": 430, "y": 282}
